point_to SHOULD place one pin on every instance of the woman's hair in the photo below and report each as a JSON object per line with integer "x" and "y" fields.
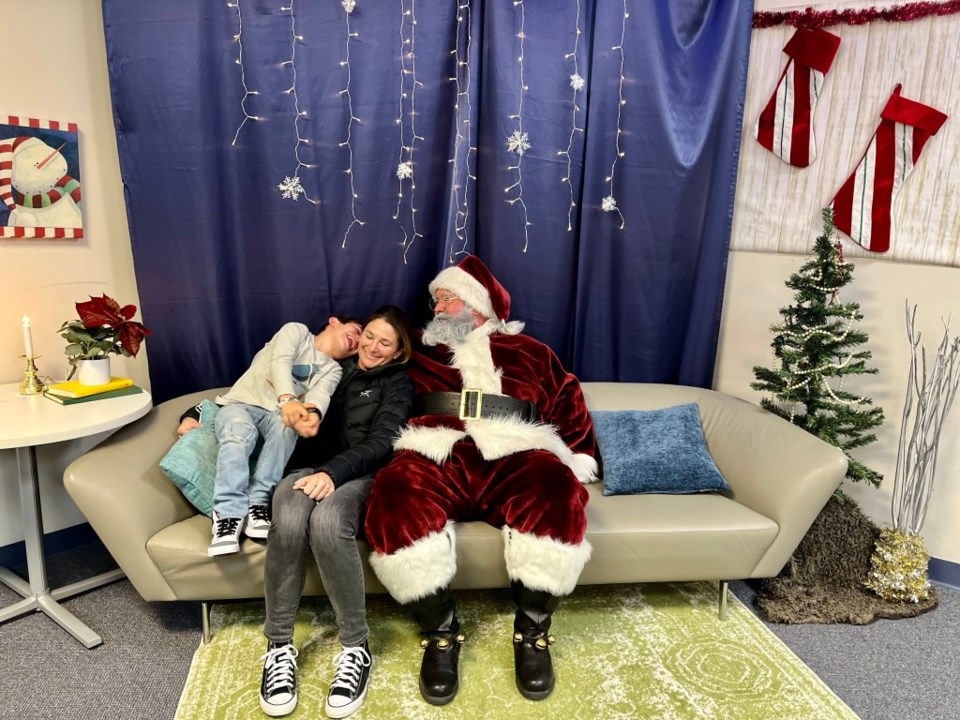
{"x": 397, "y": 319}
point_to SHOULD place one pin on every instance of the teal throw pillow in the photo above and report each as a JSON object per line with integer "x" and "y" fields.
{"x": 192, "y": 461}
{"x": 655, "y": 451}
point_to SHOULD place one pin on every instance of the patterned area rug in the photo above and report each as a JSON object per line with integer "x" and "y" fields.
{"x": 623, "y": 652}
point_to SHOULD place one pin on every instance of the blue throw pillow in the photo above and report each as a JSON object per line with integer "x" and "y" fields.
{"x": 192, "y": 461}
{"x": 655, "y": 451}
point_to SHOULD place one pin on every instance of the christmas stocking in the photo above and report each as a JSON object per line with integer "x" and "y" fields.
{"x": 861, "y": 208}
{"x": 785, "y": 126}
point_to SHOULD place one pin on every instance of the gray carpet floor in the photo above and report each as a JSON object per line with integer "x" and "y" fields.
{"x": 890, "y": 670}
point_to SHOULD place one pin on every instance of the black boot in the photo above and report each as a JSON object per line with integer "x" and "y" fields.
{"x": 531, "y": 643}
{"x": 441, "y": 640}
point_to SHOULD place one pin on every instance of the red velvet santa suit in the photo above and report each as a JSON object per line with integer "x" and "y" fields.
{"x": 524, "y": 477}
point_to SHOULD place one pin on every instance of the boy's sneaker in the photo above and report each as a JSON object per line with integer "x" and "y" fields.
{"x": 226, "y": 535}
{"x": 258, "y": 522}
{"x": 278, "y": 688}
{"x": 349, "y": 686}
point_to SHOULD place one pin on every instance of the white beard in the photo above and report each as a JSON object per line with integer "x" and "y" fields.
{"x": 449, "y": 329}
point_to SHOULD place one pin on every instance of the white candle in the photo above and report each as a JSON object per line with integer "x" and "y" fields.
{"x": 27, "y": 339}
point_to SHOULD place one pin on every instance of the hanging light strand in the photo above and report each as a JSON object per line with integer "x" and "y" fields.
{"x": 576, "y": 84}
{"x": 348, "y": 6}
{"x": 404, "y": 163}
{"x": 464, "y": 109}
{"x": 247, "y": 92}
{"x": 414, "y": 85}
{"x": 609, "y": 203}
{"x": 291, "y": 188}
{"x": 518, "y": 142}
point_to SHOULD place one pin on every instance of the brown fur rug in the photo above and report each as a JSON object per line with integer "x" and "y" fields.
{"x": 823, "y": 580}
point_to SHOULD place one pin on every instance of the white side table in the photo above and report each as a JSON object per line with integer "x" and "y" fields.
{"x": 25, "y": 423}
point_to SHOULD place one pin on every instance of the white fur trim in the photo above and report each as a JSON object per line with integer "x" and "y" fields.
{"x": 542, "y": 563}
{"x": 466, "y": 287}
{"x": 585, "y": 468}
{"x": 421, "y": 569}
{"x": 435, "y": 443}
{"x": 474, "y": 360}
{"x": 499, "y": 437}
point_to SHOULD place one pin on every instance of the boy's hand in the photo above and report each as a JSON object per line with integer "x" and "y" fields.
{"x": 292, "y": 411}
{"x": 308, "y": 425}
{"x": 187, "y": 425}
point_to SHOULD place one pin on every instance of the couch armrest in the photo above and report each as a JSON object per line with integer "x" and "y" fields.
{"x": 126, "y": 498}
{"x": 774, "y": 468}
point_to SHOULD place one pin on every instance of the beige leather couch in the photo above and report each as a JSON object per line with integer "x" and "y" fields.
{"x": 781, "y": 477}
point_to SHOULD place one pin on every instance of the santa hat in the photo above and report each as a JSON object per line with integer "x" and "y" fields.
{"x": 7, "y": 150}
{"x": 472, "y": 282}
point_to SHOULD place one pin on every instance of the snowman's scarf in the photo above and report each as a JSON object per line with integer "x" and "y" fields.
{"x": 65, "y": 186}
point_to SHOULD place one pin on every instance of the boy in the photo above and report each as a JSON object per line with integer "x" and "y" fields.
{"x": 284, "y": 393}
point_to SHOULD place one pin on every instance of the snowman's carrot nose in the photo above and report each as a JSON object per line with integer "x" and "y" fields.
{"x": 50, "y": 156}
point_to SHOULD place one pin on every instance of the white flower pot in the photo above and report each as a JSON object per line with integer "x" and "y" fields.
{"x": 93, "y": 372}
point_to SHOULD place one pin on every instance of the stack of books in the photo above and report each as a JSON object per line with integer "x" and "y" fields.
{"x": 68, "y": 393}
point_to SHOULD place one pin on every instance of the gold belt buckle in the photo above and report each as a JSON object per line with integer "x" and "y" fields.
{"x": 465, "y": 401}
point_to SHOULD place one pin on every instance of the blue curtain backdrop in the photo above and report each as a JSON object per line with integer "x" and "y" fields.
{"x": 285, "y": 160}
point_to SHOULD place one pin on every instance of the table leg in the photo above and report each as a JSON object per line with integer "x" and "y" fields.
{"x": 36, "y": 592}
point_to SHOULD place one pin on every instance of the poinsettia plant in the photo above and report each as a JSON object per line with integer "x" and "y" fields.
{"x": 104, "y": 328}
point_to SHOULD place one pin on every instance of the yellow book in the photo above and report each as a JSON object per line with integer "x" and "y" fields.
{"x": 76, "y": 390}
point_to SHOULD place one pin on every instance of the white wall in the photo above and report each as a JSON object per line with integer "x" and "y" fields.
{"x": 755, "y": 291}
{"x": 56, "y": 59}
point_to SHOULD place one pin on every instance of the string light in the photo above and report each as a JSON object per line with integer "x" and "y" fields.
{"x": 576, "y": 84}
{"x": 609, "y": 203}
{"x": 404, "y": 165}
{"x": 291, "y": 187}
{"x": 518, "y": 141}
{"x": 348, "y": 7}
{"x": 414, "y": 84}
{"x": 247, "y": 92}
{"x": 463, "y": 107}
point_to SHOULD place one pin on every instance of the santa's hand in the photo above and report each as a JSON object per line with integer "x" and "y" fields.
{"x": 316, "y": 486}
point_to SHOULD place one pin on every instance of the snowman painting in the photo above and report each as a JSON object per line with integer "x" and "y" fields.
{"x": 40, "y": 197}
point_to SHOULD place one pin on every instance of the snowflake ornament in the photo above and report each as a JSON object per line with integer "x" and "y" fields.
{"x": 290, "y": 188}
{"x": 577, "y": 82}
{"x": 609, "y": 203}
{"x": 349, "y": 5}
{"x": 405, "y": 170}
{"x": 518, "y": 142}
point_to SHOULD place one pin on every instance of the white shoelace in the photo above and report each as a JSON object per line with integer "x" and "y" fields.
{"x": 349, "y": 663}
{"x": 281, "y": 666}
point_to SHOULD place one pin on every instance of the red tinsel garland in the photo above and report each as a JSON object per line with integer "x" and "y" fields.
{"x": 810, "y": 18}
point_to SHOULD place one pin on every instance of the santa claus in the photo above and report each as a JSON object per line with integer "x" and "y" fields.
{"x": 501, "y": 434}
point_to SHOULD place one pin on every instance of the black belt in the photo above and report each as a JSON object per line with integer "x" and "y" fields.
{"x": 473, "y": 404}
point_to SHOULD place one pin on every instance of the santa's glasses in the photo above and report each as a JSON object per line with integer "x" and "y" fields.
{"x": 444, "y": 300}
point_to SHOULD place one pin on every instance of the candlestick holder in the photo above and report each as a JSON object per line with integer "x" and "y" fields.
{"x": 31, "y": 385}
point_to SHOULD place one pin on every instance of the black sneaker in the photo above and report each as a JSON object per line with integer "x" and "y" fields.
{"x": 226, "y": 535}
{"x": 349, "y": 686}
{"x": 278, "y": 688}
{"x": 258, "y": 522}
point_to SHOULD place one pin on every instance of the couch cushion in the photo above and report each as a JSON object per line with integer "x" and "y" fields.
{"x": 655, "y": 451}
{"x": 192, "y": 461}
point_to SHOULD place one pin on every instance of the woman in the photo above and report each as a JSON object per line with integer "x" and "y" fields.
{"x": 319, "y": 508}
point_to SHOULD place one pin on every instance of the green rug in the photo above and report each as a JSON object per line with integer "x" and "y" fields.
{"x": 623, "y": 652}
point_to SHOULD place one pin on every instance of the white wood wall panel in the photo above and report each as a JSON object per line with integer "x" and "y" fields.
{"x": 777, "y": 207}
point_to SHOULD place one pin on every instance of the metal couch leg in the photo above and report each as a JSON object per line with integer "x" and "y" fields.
{"x": 724, "y": 584}
{"x": 205, "y": 621}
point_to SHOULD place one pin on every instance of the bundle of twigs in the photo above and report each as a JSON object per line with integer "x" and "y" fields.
{"x": 933, "y": 393}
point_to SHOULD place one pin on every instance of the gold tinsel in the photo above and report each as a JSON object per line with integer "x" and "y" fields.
{"x": 899, "y": 567}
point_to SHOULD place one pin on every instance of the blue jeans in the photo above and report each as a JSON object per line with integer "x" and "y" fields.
{"x": 239, "y": 426}
{"x": 327, "y": 529}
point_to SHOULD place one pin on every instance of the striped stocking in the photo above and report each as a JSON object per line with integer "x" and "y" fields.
{"x": 861, "y": 208}
{"x": 785, "y": 126}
